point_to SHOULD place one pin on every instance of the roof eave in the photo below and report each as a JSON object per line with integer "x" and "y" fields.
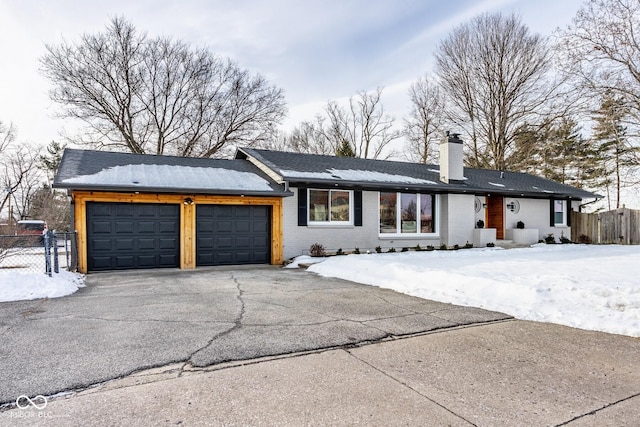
{"x": 172, "y": 190}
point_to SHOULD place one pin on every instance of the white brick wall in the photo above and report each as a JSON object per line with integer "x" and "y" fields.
{"x": 297, "y": 240}
{"x": 455, "y": 218}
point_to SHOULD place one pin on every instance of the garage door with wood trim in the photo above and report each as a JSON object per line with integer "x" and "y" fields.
{"x": 124, "y": 236}
{"x": 233, "y": 234}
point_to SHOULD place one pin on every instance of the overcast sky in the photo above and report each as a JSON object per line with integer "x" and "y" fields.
{"x": 315, "y": 50}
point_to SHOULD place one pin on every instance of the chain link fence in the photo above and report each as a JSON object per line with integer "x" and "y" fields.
{"x": 46, "y": 253}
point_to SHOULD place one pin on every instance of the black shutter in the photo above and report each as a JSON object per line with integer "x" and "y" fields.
{"x": 357, "y": 208}
{"x": 569, "y": 210}
{"x": 552, "y": 213}
{"x": 302, "y": 206}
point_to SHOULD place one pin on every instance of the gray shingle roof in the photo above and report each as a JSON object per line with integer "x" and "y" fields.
{"x": 108, "y": 171}
{"x": 313, "y": 169}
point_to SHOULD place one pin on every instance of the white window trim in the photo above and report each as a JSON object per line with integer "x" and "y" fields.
{"x": 564, "y": 214}
{"x": 329, "y": 223}
{"x": 397, "y": 235}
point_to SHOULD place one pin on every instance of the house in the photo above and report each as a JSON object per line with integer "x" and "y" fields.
{"x": 143, "y": 211}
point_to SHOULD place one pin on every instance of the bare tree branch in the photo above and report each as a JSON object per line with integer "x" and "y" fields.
{"x": 423, "y": 126}
{"x": 158, "y": 95}
{"x": 495, "y": 76}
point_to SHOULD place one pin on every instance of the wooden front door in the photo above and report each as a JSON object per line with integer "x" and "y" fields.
{"x": 495, "y": 215}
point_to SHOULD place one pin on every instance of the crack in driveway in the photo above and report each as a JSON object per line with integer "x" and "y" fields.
{"x": 237, "y": 324}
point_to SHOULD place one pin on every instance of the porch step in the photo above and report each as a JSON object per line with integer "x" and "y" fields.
{"x": 509, "y": 244}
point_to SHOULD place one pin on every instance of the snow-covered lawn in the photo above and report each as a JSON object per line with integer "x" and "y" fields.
{"x": 22, "y": 277}
{"x": 584, "y": 286}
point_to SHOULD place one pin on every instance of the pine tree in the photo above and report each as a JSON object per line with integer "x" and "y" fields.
{"x": 345, "y": 150}
{"x": 50, "y": 162}
{"x": 613, "y": 146}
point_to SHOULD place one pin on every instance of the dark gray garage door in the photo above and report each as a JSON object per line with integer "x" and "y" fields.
{"x": 132, "y": 235}
{"x": 228, "y": 234}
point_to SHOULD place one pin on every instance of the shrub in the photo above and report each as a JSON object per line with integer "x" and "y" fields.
{"x": 356, "y": 251}
{"x": 430, "y": 247}
{"x": 550, "y": 240}
{"x": 378, "y": 249}
{"x": 339, "y": 252}
{"x": 456, "y": 247}
{"x": 563, "y": 239}
{"x": 490, "y": 245}
{"x": 418, "y": 248}
{"x": 405, "y": 249}
{"x": 480, "y": 224}
{"x": 443, "y": 247}
{"x": 391, "y": 249}
{"x": 584, "y": 239}
{"x": 468, "y": 245}
{"x": 520, "y": 224}
{"x": 317, "y": 250}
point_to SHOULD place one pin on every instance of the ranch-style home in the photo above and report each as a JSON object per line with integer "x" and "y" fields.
{"x": 143, "y": 211}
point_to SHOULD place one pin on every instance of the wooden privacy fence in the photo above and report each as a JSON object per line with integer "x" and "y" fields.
{"x": 619, "y": 226}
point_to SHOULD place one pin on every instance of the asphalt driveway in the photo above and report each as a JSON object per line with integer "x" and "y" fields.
{"x": 125, "y": 322}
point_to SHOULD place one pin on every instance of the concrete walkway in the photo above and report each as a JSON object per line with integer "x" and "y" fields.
{"x": 508, "y": 373}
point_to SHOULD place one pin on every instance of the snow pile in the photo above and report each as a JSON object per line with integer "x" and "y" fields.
{"x": 18, "y": 285}
{"x": 587, "y": 287}
{"x": 305, "y": 260}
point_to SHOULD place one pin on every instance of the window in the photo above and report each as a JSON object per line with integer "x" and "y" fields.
{"x": 407, "y": 213}
{"x": 559, "y": 212}
{"x": 330, "y": 206}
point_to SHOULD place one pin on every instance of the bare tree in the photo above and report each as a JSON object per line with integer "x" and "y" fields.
{"x": 308, "y": 137}
{"x": 361, "y": 130}
{"x": 601, "y": 54}
{"x": 21, "y": 170}
{"x": 363, "y": 126}
{"x": 19, "y": 174}
{"x": 159, "y": 95}
{"x": 494, "y": 74}
{"x": 601, "y": 51}
{"x": 423, "y": 126}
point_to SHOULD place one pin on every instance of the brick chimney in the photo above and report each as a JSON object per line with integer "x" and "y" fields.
{"x": 451, "y": 159}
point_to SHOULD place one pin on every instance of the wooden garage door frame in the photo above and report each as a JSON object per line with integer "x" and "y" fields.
{"x": 187, "y": 218}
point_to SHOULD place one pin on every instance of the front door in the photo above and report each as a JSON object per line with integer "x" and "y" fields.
{"x": 495, "y": 215}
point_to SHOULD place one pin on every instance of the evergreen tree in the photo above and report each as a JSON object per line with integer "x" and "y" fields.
{"x": 51, "y": 161}
{"x": 616, "y": 153}
{"x": 345, "y": 149}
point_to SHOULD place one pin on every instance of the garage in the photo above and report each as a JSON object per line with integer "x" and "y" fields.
{"x": 132, "y": 236}
{"x": 137, "y": 211}
{"x": 232, "y": 234}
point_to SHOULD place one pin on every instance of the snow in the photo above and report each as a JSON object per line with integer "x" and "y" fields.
{"x": 582, "y": 286}
{"x": 22, "y": 276}
{"x": 496, "y": 184}
{"x": 18, "y": 285}
{"x": 355, "y": 175}
{"x": 174, "y": 176}
{"x": 306, "y": 260}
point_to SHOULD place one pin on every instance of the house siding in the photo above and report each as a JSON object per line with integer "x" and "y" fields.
{"x": 458, "y": 218}
{"x": 298, "y": 239}
{"x": 534, "y": 213}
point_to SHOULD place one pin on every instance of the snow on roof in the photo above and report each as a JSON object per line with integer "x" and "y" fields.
{"x": 177, "y": 176}
{"x": 496, "y": 184}
{"x": 355, "y": 175}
